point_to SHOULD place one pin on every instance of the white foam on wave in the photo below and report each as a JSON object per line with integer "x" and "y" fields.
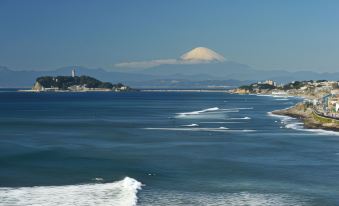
{"x": 120, "y": 193}
{"x": 200, "y": 129}
{"x": 213, "y": 112}
{"x": 222, "y": 122}
{"x": 274, "y": 95}
{"x": 241, "y": 118}
{"x": 243, "y": 108}
{"x": 282, "y": 117}
{"x": 293, "y": 123}
{"x": 282, "y": 99}
{"x": 200, "y": 111}
{"x": 263, "y": 95}
{"x": 191, "y": 125}
{"x": 298, "y": 126}
{"x": 98, "y": 179}
{"x": 281, "y": 96}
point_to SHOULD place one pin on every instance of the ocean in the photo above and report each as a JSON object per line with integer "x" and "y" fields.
{"x": 161, "y": 148}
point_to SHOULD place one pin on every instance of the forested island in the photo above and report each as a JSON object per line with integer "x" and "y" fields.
{"x": 76, "y": 84}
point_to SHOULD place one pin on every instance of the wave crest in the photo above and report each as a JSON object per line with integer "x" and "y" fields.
{"x": 120, "y": 193}
{"x": 210, "y": 113}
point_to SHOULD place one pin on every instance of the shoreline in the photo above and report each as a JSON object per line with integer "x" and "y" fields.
{"x": 308, "y": 117}
{"x": 75, "y": 91}
{"x": 304, "y": 113}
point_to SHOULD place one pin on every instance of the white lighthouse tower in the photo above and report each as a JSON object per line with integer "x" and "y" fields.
{"x": 73, "y": 73}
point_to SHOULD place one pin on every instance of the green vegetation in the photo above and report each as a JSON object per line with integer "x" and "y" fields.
{"x": 247, "y": 87}
{"x": 324, "y": 119}
{"x": 295, "y": 85}
{"x": 256, "y": 86}
{"x": 64, "y": 82}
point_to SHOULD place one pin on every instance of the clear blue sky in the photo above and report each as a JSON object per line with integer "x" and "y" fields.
{"x": 265, "y": 34}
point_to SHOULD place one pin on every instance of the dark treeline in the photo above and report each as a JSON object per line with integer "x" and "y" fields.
{"x": 63, "y": 82}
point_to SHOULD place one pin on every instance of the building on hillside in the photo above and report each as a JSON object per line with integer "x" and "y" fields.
{"x": 323, "y": 89}
{"x": 335, "y": 91}
{"x": 269, "y": 82}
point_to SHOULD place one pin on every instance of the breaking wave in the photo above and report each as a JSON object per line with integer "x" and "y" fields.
{"x": 222, "y": 122}
{"x": 241, "y": 118}
{"x": 282, "y": 99}
{"x": 200, "y": 111}
{"x": 200, "y": 129}
{"x": 213, "y": 112}
{"x": 120, "y": 193}
{"x": 190, "y": 125}
{"x": 282, "y": 117}
{"x": 244, "y": 108}
{"x": 299, "y": 126}
{"x": 293, "y": 123}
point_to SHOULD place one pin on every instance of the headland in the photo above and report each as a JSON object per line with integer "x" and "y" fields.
{"x": 319, "y": 108}
{"x": 75, "y": 83}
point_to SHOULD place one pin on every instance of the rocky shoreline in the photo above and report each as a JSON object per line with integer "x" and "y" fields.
{"x": 309, "y": 118}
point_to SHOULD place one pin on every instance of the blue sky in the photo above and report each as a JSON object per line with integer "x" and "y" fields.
{"x": 265, "y": 34}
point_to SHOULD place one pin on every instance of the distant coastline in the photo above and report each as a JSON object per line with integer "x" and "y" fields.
{"x": 309, "y": 117}
{"x": 184, "y": 90}
{"x": 320, "y": 106}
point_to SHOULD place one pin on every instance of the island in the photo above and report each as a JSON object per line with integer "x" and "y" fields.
{"x": 319, "y": 108}
{"x": 76, "y": 84}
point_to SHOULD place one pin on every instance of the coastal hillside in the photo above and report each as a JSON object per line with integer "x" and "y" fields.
{"x": 311, "y": 89}
{"x": 75, "y": 83}
{"x": 310, "y": 117}
{"x": 319, "y": 109}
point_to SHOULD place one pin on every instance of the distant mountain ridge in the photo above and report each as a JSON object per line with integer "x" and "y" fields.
{"x": 238, "y": 71}
{"x": 187, "y": 75}
{"x": 10, "y": 78}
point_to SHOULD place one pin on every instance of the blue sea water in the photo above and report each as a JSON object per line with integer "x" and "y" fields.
{"x": 161, "y": 148}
